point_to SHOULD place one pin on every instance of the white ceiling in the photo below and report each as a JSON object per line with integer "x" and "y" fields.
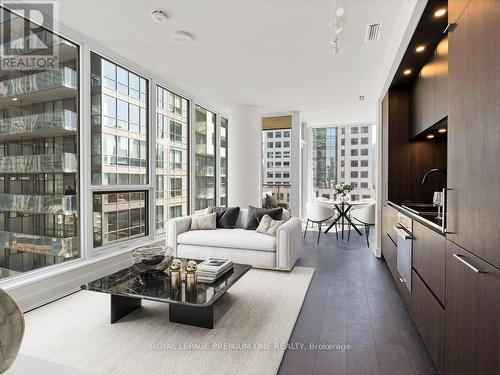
{"x": 274, "y": 54}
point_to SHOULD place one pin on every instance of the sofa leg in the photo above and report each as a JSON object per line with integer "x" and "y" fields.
{"x": 305, "y": 231}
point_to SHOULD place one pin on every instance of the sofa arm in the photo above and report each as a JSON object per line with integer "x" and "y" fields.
{"x": 174, "y": 228}
{"x": 288, "y": 243}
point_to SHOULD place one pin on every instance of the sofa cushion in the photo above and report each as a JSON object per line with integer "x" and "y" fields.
{"x": 229, "y": 238}
{"x": 226, "y": 216}
{"x": 255, "y": 215}
{"x": 204, "y": 222}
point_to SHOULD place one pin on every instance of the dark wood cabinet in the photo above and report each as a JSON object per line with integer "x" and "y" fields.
{"x": 473, "y": 210}
{"x": 428, "y": 316}
{"x": 430, "y": 92}
{"x": 455, "y": 9}
{"x": 429, "y": 257}
{"x": 472, "y": 317}
{"x": 389, "y": 218}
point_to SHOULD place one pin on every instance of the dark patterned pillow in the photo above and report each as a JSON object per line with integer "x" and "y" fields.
{"x": 255, "y": 215}
{"x": 226, "y": 216}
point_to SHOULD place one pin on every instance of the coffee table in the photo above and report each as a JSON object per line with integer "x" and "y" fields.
{"x": 128, "y": 287}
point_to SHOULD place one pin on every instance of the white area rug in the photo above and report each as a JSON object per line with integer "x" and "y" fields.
{"x": 253, "y": 323}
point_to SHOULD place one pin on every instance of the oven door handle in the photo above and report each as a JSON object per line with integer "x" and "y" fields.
{"x": 401, "y": 232}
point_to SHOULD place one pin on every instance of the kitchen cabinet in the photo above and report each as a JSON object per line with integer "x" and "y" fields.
{"x": 429, "y": 257}
{"x": 430, "y": 92}
{"x": 473, "y": 207}
{"x": 455, "y": 9}
{"x": 389, "y": 218}
{"x": 385, "y": 147}
{"x": 428, "y": 316}
{"x": 472, "y": 324}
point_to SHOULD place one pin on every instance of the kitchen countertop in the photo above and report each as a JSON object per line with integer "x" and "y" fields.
{"x": 429, "y": 221}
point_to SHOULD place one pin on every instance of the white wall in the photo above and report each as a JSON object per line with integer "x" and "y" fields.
{"x": 244, "y": 156}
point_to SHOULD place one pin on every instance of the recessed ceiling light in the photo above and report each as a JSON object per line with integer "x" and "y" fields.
{"x": 420, "y": 48}
{"x": 407, "y": 72}
{"x": 183, "y": 37}
{"x": 159, "y": 16}
{"x": 440, "y": 12}
{"x": 430, "y": 136}
{"x": 443, "y": 130}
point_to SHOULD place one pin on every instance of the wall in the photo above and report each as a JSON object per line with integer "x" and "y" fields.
{"x": 245, "y": 156}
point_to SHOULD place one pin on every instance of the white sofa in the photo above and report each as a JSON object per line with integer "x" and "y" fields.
{"x": 240, "y": 245}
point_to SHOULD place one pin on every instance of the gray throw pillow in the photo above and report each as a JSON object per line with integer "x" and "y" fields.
{"x": 255, "y": 215}
{"x": 269, "y": 226}
{"x": 226, "y": 216}
{"x": 204, "y": 222}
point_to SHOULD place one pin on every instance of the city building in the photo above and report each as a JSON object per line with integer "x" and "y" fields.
{"x": 343, "y": 154}
{"x": 276, "y": 164}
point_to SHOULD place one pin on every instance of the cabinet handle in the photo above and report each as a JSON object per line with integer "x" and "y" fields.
{"x": 461, "y": 259}
{"x": 449, "y": 28}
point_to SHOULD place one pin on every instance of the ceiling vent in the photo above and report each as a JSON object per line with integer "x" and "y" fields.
{"x": 373, "y": 32}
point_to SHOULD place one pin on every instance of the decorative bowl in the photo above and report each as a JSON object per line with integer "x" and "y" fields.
{"x": 151, "y": 258}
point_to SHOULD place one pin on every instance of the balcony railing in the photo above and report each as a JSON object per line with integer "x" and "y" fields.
{"x": 45, "y": 80}
{"x": 208, "y": 171}
{"x": 39, "y": 123}
{"x": 50, "y": 163}
{"x": 39, "y": 204}
{"x": 62, "y": 247}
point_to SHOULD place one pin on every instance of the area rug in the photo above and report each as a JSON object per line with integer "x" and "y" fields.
{"x": 253, "y": 323}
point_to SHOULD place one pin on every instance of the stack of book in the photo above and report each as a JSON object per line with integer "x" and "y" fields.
{"x": 212, "y": 269}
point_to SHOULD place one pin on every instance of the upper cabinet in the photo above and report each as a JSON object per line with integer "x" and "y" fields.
{"x": 473, "y": 205}
{"x": 430, "y": 92}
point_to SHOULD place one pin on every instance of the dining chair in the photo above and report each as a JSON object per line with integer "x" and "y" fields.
{"x": 365, "y": 216}
{"x": 318, "y": 213}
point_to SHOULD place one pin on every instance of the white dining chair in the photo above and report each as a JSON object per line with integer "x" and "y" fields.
{"x": 318, "y": 213}
{"x": 365, "y": 216}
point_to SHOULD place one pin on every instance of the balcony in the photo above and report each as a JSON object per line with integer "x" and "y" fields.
{"x": 39, "y": 204}
{"x": 29, "y": 164}
{"x": 40, "y": 87}
{"x": 207, "y": 171}
{"x": 49, "y": 124}
{"x": 61, "y": 247}
{"x": 205, "y": 150}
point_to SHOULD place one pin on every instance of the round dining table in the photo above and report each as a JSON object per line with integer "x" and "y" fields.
{"x": 343, "y": 208}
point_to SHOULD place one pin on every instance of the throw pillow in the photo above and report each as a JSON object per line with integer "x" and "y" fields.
{"x": 226, "y": 216}
{"x": 204, "y": 222}
{"x": 271, "y": 201}
{"x": 269, "y": 226}
{"x": 255, "y": 215}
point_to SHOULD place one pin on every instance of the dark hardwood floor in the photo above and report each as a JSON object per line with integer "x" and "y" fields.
{"x": 353, "y": 300}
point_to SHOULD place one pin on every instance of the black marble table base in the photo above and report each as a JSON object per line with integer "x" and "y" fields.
{"x": 198, "y": 316}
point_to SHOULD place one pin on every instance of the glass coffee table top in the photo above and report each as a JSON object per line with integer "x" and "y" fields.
{"x": 156, "y": 286}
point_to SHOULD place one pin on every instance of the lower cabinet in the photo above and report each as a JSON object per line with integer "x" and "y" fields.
{"x": 428, "y": 316}
{"x": 472, "y": 318}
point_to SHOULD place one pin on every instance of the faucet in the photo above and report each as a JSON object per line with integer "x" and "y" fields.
{"x": 432, "y": 171}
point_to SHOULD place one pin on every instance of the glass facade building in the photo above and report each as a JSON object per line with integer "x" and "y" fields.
{"x": 39, "y": 154}
{"x": 205, "y": 124}
{"x": 148, "y": 155}
{"x": 172, "y": 136}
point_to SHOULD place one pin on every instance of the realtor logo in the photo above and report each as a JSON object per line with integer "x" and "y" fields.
{"x": 28, "y": 39}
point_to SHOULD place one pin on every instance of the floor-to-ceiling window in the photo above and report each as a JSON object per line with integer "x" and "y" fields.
{"x": 276, "y": 169}
{"x": 39, "y": 168}
{"x": 119, "y": 167}
{"x": 172, "y": 115}
{"x": 223, "y": 161}
{"x": 204, "y": 143}
{"x": 344, "y": 154}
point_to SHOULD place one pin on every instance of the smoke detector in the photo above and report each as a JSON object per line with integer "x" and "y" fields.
{"x": 159, "y": 16}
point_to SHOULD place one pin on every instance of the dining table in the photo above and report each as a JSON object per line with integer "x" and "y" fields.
{"x": 343, "y": 207}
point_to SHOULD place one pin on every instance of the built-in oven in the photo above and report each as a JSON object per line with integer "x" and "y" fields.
{"x": 403, "y": 231}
